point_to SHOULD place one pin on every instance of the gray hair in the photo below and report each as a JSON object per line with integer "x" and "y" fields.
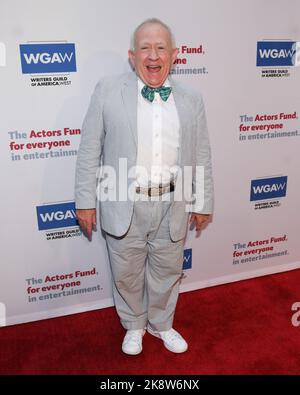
{"x": 152, "y": 21}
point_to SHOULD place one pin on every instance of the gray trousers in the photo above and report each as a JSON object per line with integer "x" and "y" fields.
{"x": 146, "y": 267}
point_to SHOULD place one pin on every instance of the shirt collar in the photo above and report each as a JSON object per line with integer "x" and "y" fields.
{"x": 141, "y": 83}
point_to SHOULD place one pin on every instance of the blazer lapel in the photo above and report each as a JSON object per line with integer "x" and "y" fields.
{"x": 129, "y": 95}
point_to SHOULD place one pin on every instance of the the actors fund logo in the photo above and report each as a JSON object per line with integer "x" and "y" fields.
{"x": 2, "y": 55}
{"x": 2, "y": 314}
{"x": 48, "y": 58}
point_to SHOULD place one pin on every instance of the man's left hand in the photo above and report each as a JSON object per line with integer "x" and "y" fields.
{"x": 198, "y": 220}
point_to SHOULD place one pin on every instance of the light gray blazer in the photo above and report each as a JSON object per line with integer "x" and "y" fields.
{"x": 109, "y": 132}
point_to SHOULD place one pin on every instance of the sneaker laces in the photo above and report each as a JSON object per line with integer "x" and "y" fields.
{"x": 134, "y": 336}
{"x": 172, "y": 335}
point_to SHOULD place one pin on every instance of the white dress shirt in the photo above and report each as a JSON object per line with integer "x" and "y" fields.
{"x": 158, "y": 139}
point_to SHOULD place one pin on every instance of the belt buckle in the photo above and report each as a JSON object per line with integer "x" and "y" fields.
{"x": 151, "y": 191}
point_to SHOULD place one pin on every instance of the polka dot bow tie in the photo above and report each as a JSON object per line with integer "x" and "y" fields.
{"x": 148, "y": 93}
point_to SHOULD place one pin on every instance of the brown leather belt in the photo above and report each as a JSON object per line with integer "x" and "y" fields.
{"x": 156, "y": 191}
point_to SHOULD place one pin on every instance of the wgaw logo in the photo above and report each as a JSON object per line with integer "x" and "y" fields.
{"x": 268, "y": 188}
{"x": 48, "y": 58}
{"x": 278, "y": 53}
{"x": 53, "y": 216}
{"x": 187, "y": 259}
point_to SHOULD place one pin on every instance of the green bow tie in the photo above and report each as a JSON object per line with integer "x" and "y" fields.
{"x": 148, "y": 93}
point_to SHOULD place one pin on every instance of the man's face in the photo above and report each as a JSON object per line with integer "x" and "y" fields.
{"x": 153, "y": 55}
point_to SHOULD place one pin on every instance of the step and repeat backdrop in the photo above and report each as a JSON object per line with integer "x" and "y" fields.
{"x": 243, "y": 56}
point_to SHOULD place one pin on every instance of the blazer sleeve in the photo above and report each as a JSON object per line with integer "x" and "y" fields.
{"x": 203, "y": 190}
{"x": 89, "y": 153}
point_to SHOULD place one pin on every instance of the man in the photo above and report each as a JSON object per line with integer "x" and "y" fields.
{"x": 159, "y": 128}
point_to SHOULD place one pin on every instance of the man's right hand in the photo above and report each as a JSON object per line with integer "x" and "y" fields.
{"x": 87, "y": 221}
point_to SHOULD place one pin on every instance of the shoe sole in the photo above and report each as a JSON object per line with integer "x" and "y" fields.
{"x": 132, "y": 353}
{"x": 155, "y": 334}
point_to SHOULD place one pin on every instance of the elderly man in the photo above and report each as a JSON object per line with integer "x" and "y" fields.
{"x": 159, "y": 128}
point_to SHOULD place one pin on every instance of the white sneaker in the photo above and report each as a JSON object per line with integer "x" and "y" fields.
{"x": 132, "y": 343}
{"x": 173, "y": 341}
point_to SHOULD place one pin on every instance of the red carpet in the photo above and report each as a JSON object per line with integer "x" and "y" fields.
{"x": 238, "y": 328}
